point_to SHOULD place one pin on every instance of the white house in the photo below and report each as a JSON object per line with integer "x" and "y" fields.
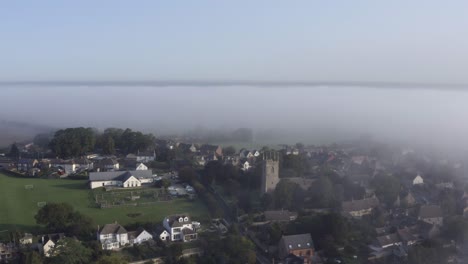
{"x": 84, "y": 164}
{"x": 107, "y": 164}
{"x": 246, "y": 166}
{"x": 68, "y": 166}
{"x": 146, "y": 156}
{"x": 123, "y": 179}
{"x": 247, "y": 154}
{"x": 431, "y": 214}
{"x": 113, "y": 236}
{"x": 141, "y": 166}
{"x": 47, "y": 243}
{"x": 139, "y": 236}
{"x": 193, "y": 148}
{"x": 178, "y": 228}
{"x": 418, "y": 180}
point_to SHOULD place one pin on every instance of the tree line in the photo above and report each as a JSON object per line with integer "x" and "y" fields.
{"x": 75, "y": 142}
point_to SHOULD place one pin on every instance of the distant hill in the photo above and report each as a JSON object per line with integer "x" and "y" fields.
{"x": 11, "y": 131}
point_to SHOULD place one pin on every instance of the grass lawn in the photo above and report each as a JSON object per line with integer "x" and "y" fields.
{"x": 19, "y": 205}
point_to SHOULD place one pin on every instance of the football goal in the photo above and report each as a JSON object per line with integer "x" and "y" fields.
{"x": 29, "y": 187}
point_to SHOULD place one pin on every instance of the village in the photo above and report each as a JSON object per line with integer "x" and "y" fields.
{"x": 356, "y": 202}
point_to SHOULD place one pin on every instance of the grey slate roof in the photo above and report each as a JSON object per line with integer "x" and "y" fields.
{"x": 388, "y": 240}
{"x": 302, "y": 241}
{"x": 174, "y": 220}
{"x": 358, "y": 205}
{"x": 118, "y": 175}
{"x": 280, "y": 215}
{"x": 430, "y": 211}
{"x": 112, "y": 229}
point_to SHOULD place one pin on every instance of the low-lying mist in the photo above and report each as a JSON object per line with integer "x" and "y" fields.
{"x": 313, "y": 115}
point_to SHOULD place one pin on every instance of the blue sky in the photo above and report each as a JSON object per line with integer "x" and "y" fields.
{"x": 396, "y": 41}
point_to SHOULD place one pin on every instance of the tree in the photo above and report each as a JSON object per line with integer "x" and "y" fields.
{"x": 323, "y": 193}
{"x": 55, "y": 216}
{"x": 229, "y": 151}
{"x": 387, "y": 188}
{"x": 267, "y": 201}
{"x": 14, "y": 151}
{"x": 31, "y": 257}
{"x": 283, "y": 195}
{"x": 70, "y": 251}
{"x": 60, "y": 217}
{"x": 107, "y": 143}
{"x": 73, "y": 142}
{"x": 456, "y": 228}
{"x": 42, "y": 140}
{"x": 187, "y": 174}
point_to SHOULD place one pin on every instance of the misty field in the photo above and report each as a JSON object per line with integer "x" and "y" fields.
{"x": 21, "y": 198}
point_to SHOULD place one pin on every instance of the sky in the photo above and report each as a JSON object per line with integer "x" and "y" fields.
{"x": 335, "y": 41}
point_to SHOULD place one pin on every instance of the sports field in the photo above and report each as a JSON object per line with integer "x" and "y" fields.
{"x": 19, "y": 204}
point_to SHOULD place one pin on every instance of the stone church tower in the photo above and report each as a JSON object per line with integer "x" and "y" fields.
{"x": 270, "y": 171}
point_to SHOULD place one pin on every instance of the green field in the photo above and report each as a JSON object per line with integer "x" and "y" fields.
{"x": 19, "y": 205}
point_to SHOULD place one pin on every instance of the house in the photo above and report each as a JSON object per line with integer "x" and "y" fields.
{"x": 418, "y": 180}
{"x": 291, "y": 151}
{"x": 407, "y": 237}
{"x": 141, "y": 166}
{"x": 8, "y": 252}
{"x": 388, "y": 240}
{"x": 66, "y": 166}
{"x": 26, "y": 164}
{"x": 6, "y": 163}
{"x": 359, "y": 208}
{"x": 246, "y": 154}
{"x": 48, "y": 242}
{"x": 211, "y": 150}
{"x": 445, "y": 185}
{"x": 84, "y": 164}
{"x": 431, "y": 214}
{"x": 113, "y": 236}
{"x": 193, "y": 148}
{"x": 465, "y": 212}
{"x": 246, "y": 166}
{"x": 408, "y": 199}
{"x": 232, "y": 160}
{"x": 146, "y": 156}
{"x": 299, "y": 245}
{"x": 139, "y": 236}
{"x": 26, "y": 239}
{"x": 107, "y": 164}
{"x": 123, "y": 179}
{"x": 199, "y": 160}
{"x": 280, "y": 216}
{"x": 178, "y": 228}
{"x": 359, "y": 160}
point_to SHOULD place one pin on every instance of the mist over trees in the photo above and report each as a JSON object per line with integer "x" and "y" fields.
{"x": 73, "y": 142}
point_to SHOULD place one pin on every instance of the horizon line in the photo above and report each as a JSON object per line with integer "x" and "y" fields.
{"x": 158, "y": 83}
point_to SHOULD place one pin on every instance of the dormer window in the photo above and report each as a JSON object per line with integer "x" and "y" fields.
{"x": 308, "y": 244}
{"x": 181, "y": 220}
{"x": 298, "y": 245}
{"x": 290, "y": 246}
{"x": 186, "y": 219}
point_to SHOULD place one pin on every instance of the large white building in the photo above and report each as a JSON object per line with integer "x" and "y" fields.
{"x": 125, "y": 179}
{"x": 179, "y": 228}
{"x": 115, "y": 236}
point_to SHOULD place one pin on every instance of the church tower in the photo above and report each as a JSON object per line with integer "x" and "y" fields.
{"x": 270, "y": 171}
